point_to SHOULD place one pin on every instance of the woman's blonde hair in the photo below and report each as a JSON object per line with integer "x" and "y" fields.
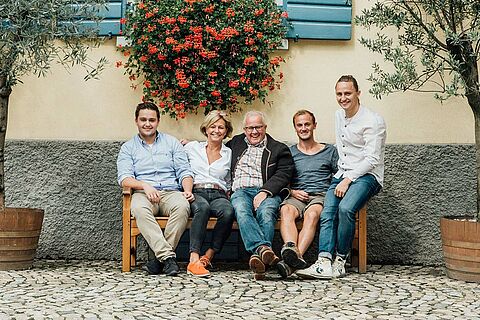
{"x": 214, "y": 116}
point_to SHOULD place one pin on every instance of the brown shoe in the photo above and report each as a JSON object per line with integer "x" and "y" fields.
{"x": 205, "y": 261}
{"x": 259, "y": 276}
{"x": 267, "y": 255}
{"x": 257, "y": 266}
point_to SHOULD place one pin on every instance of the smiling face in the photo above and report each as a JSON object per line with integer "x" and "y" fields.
{"x": 348, "y": 97}
{"x": 147, "y": 123}
{"x": 304, "y": 126}
{"x": 216, "y": 132}
{"x": 255, "y": 129}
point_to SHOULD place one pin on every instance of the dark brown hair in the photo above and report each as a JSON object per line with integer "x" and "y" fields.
{"x": 149, "y": 106}
{"x": 349, "y": 78}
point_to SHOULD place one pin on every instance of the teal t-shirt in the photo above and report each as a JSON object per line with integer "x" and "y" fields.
{"x": 313, "y": 173}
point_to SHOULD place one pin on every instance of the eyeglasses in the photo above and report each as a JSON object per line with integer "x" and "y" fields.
{"x": 252, "y": 128}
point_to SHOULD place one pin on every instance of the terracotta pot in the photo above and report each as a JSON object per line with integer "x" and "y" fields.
{"x": 19, "y": 233}
{"x": 461, "y": 247}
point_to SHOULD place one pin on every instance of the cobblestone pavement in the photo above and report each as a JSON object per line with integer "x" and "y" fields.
{"x": 98, "y": 290}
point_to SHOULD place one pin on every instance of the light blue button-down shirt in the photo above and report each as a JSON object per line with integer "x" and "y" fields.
{"x": 163, "y": 165}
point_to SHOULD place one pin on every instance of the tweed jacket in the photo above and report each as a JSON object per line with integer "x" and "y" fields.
{"x": 277, "y": 164}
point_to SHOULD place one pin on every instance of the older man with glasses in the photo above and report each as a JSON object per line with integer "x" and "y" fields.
{"x": 262, "y": 168}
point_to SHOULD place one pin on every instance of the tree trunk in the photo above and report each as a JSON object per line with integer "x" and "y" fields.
{"x": 462, "y": 52}
{"x": 5, "y": 91}
{"x": 477, "y": 157}
{"x": 473, "y": 97}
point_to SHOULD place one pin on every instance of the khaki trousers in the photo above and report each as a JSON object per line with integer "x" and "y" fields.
{"x": 172, "y": 204}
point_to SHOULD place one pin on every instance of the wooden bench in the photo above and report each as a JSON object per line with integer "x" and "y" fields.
{"x": 130, "y": 233}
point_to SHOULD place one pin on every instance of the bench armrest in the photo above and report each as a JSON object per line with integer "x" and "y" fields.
{"x": 126, "y": 190}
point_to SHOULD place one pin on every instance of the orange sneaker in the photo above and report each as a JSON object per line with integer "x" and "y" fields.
{"x": 205, "y": 261}
{"x": 197, "y": 269}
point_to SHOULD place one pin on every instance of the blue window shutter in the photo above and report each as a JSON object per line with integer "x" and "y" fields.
{"x": 319, "y": 19}
{"x": 110, "y": 25}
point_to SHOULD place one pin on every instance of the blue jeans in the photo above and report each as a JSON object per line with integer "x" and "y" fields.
{"x": 256, "y": 227}
{"x": 337, "y": 221}
{"x": 210, "y": 203}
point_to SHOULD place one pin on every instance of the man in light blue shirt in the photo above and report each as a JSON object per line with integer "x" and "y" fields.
{"x": 156, "y": 167}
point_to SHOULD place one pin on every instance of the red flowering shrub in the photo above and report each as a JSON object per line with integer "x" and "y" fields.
{"x": 200, "y": 55}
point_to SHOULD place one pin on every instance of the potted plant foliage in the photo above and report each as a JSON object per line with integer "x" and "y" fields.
{"x": 436, "y": 43}
{"x": 33, "y": 34}
{"x": 194, "y": 56}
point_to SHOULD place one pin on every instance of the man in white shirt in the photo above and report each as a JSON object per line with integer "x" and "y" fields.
{"x": 360, "y": 139}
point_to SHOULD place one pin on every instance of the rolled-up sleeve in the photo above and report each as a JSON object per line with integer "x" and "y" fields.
{"x": 125, "y": 163}
{"x": 180, "y": 161}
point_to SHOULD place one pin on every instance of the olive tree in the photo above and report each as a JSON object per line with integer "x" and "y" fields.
{"x": 433, "y": 46}
{"x": 33, "y": 35}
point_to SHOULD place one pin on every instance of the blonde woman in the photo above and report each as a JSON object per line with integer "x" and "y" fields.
{"x": 210, "y": 162}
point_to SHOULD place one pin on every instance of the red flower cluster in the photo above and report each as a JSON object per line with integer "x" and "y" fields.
{"x": 248, "y": 60}
{"x": 203, "y": 54}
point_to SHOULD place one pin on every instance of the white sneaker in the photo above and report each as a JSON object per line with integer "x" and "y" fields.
{"x": 321, "y": 269}
{"x": 338, "y": 267}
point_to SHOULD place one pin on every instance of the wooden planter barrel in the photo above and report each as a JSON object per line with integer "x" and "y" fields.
{"x": 19, "y": 233}
{"x": 461, "y": 248}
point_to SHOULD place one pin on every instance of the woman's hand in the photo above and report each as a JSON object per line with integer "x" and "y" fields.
{"x": 189, "y": 196}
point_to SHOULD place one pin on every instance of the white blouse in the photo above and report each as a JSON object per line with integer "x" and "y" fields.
{"x": 217, "y": 172}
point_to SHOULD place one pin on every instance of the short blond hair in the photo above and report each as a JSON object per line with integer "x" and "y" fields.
{"x": 302, "y": 112}
{"x": 214, "y": 116}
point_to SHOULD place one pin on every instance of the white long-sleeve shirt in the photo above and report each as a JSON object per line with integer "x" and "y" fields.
{"x": 361, "y": 144}
{"x": 217, "y": 172}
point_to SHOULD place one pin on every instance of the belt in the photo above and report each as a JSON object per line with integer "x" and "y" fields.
{"x": 207, "y": 186}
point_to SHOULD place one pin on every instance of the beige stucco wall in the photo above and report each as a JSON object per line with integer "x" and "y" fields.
{"x": 63, "y": 106}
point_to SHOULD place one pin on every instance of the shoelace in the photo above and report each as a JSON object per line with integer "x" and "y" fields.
{"x": 205, "y": 261}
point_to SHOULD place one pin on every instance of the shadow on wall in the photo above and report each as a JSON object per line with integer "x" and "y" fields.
{"x": 75, "y": 183}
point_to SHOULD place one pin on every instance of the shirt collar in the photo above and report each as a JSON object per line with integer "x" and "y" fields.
{"x": 223, "y": 149}
{"x": 359, "y": 111}
{"x": 157, "y": 137}
{"x": 261, "y": 144}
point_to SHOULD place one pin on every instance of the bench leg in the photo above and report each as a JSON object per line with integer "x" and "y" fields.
{"x": 133, "y": 252}
{"x": 362, "y": 240}
{"x": 126, "y": 248}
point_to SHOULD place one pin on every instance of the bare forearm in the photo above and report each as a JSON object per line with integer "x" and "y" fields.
{"x": 133, "y": 183}
{"x": 187, "y": 184}
{"x": 153, "y": 195}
